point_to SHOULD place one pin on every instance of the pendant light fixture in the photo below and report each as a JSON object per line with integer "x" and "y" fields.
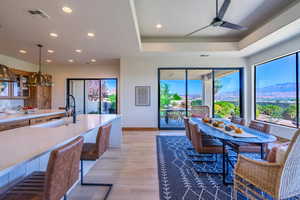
{"x": 37, "y": 78}
{"x": 6, "y": 75}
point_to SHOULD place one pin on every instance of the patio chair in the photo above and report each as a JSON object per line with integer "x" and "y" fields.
{"x": 279, "y": 180}
{"x": 200, "y": 111}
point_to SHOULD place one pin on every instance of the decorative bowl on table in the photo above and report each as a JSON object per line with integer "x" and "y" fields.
{"x": 230, "y": 128}
{"x": 207, "y": 120}
{"x": 238, "y": 131}
{"x": 218, "y": 124}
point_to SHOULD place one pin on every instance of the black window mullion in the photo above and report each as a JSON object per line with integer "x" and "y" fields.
{"x": 186, "y": 92}
{"x": 297, "y": 89}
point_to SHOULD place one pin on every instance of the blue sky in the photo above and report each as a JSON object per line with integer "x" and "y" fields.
{"x": 230, "y": 83}
{"x": 110, "y": 84}
{"x": 282, "y": 70}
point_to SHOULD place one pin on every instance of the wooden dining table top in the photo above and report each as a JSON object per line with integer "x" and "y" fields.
{"x": 260, "y": 138}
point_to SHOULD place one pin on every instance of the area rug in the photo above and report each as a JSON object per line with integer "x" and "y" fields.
{"x": 178, "y": 179}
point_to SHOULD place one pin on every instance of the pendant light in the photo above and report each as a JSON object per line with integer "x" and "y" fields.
{"x": 6, "y": 75}
{"x": 37, "y": 78}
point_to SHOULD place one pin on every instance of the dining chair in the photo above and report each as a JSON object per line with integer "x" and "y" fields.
{"x": 93, "y": 151}
{"x": 200, "y": 111}
{"x": 204, "y": 146}
{"x": 279, "y": 180}
{"x": 62, "y": 173}
{"x": 238, "y": 120}
{"x": 241, "y": 147}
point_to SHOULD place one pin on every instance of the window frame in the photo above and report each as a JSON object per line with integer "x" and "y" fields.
{"x": 186, "y": 69}
{"x": 297, "y": 89}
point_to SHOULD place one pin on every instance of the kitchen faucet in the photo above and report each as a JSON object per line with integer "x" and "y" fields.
{"x": 73, "y": 107}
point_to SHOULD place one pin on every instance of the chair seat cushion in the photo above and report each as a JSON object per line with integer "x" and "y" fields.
{"x": 89, "y": 152}
{"x": 277, "y": 152}
{"x": 29, "y": 188}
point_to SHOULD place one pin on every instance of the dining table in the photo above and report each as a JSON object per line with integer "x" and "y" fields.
{"x": 254, "y": 137}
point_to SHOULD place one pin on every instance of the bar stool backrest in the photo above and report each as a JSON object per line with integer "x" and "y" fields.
{"x": 63, "y": 169}
{"x": 238, "y": 120}
{"x": 263, "y": 127}
{"x": 187, "y": 127}
{"x": 196, "y": 137}
{"x": 102, "y": 140}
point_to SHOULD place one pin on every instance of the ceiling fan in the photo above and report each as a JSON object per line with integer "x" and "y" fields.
{"x": 218, "y": 20}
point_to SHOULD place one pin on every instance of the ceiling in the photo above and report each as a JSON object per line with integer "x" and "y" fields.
{"x": 127, "y": 28}
{"x": 111, "y": 21}
{"x": 179, "y": 17}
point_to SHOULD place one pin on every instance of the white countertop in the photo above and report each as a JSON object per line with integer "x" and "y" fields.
{"x": 22, "y": 144}
{"x": 20, "y": 116}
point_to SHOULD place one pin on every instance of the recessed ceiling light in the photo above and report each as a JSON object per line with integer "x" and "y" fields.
{"x": 48, "y": 61}
{"x": 71, "y": 60}
{"x": 67, "y": 9}
{"x": 93, "y": 60}
{"x": 22, "y": 51}
{"x": 91, "y": 34}
{"x": 158, "y": 26}
{"x": 50, "y": 51}
{"x": 53, "y": 35}
{"x": 78, "y": 50}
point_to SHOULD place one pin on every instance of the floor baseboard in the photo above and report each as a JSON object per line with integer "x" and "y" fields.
{"x": 139, "y": 129}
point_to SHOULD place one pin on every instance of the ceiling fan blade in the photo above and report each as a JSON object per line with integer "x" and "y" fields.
{"x": 224, "y": 9}
{"x": 200, "y": 29}
{"x": 233, "y": 26}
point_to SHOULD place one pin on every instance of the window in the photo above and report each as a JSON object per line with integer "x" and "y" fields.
{"x": 276, "y": 91}
{"x": 227, "y": 93}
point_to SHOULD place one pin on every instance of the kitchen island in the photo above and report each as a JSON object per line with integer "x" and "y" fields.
{"x": 27, "y": 149}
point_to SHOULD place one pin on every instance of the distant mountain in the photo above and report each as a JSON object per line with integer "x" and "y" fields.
{"x": 283, "y": 87}
{"x": 281, "y": 91}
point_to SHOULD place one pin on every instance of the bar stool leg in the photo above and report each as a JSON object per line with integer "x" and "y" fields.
{"x": 94, "y": 184}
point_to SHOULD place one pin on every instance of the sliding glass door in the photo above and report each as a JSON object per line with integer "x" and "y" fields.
{"x": 183, "y": 91}
{"x": 172, "y": 107}
{"x": 94, "y": 96}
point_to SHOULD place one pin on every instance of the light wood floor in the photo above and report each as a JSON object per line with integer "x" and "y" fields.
{"x": 132, "y": 169}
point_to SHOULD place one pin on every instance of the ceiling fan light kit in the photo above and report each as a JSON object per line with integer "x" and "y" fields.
{"x": 218, "y": 20}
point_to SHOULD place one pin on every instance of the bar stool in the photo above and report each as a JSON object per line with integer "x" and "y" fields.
{"x": 62, "y": 173}
{"x": 93, "y": 151}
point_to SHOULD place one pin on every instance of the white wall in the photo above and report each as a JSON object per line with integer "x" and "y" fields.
{"x": 281, "y": 49}
{"x": 61, "y": 72}
{"x": 142, "y": 71}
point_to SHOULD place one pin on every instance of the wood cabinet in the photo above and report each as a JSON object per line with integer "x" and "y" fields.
{"x": 18, "y": 89}
{"x": 40, "y": 97}
{"x": 35, "y": 96}
{"x": 28, "y": 122}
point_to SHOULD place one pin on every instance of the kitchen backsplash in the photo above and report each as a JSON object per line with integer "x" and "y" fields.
{"x": 10, "y": 104}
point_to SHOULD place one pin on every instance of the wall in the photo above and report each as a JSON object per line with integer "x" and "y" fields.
{"x": 142, "y": 71}
{"x": 16, "y": 64}
{"x": 281, "y": 49}
{"x": 61, "y": 72}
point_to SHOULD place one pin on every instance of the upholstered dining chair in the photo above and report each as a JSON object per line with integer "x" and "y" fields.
{"x": 279, "y": 180}
{"x": 238, "y": 120}
{"x": 93, "y": 151}
{"x": 187, "y": 128}
{"x": 202, "y": 145}
{"x": 249, "y": 147}
{"x": 62, "y": 173}
{"x": 200, "y": 111}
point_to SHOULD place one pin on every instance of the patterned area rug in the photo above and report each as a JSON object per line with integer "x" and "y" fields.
{"x": 178, "y": 179}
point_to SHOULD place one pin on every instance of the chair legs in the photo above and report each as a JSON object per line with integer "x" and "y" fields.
{"x": 94, "y": 184}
